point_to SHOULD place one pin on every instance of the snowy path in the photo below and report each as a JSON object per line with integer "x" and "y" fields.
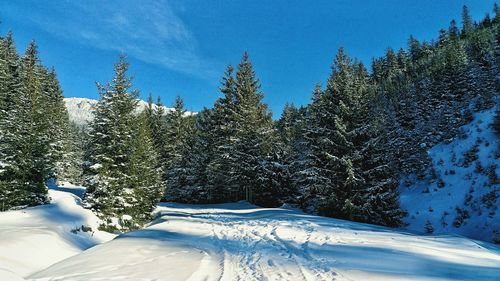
{"x": 241, "y": 242}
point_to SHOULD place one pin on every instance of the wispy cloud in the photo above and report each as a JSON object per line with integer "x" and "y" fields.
{"x": 148, "y": 30}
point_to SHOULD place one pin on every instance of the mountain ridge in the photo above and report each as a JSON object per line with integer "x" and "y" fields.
{"x": 80, "y": 110}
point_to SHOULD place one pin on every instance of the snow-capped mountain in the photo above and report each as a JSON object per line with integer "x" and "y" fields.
{"x": 80, "y": 110}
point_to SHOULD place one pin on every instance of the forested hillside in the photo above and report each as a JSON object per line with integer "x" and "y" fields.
{"x": 363, "y": 139}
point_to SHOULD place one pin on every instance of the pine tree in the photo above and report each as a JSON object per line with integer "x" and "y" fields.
{"x": 34, "y": 152}
{"x": 179, "y": 130}
{"x": 467, "y": 22}
{"x": 32, "y": 124}
{"x": 253, "y": 132}
{"x": 64, "y": 152}
{"x": 12, "y": 193}
{"x": 221, "y": 185}
{"x": 453, "y": 30}
{"x": 197, "y": 186}
{"x": 377, "y": 199}
{"x": 288, "y": 124}
{"x": 70, "y": 167}
{"x": 157, "y": 122}
{"x": 144, "y": 188}
{"x": 327, "y": 175}
{"x": 117, "y": 183}
{"x": 496, "y": 10}
{"x": 241, "y": 139}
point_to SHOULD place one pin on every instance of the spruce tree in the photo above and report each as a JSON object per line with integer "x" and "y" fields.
{"x": 467, "y": 22}
{"x": 33, "y": 121}
{"x": 64, "y": 151}
{"x": 35, "y": 156}
{"x": 12, "y": 192}
{"x": 178, "y": 134}
{"x": 221, "y": 185}
{"x": 70, "y": 166}
{"x": 120, "y": 187}
{"x": 144, "y": 188}
{"x": 253, "y": 131}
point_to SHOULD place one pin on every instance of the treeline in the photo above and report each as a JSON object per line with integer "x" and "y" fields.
{"x": 341, "y": 156}
{"x": 34, "y": 128}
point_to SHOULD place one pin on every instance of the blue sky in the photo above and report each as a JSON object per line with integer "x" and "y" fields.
{"x": 182, "y": 47}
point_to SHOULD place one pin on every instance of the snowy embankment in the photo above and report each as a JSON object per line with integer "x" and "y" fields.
{"x": 242, "y": 242}
{"x": 35, "y": 238}
{"x": 463, "y": 197}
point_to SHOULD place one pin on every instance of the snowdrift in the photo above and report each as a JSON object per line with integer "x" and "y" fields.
{"x": 34, "y": 238}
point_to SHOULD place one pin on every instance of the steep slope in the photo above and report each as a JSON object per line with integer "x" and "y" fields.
{"x": 34, "y": 238}
{"x": 461, "y": 195}
{"x": 242, "y": 242}
{"x": 80, "y": 110}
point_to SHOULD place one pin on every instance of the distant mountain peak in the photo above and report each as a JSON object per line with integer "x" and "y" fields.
{"x": 80, "y": 110}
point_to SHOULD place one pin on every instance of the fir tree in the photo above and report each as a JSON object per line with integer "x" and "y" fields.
{"x": 467, "y": 22}
{"x": 253, "y": 131}
{"x": 120, "y": 190}
{"x": 35, "y": 156}
{"x": 221, "y": 185}
{"x": 144, "y": 189}
{"x": 178, "y": 133}
{"x": 12, "y": 192}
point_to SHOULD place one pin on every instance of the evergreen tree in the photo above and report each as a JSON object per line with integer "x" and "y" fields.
{"x": 453, "y": 30}
{"x": 253, "y": 131}
{"x": 178, "y": 133}
{"x": 33, "y": 121}
{"x": 496, "y": 10}
{"x": 71, "y": 165}
{"x": 377, "y": 199}
{"x": 241, "y": 140}
{"x": 221, "y": 184}
{"x": 157, "y": 122}
{"x": 144, "y": 188}
{"x": 64, "y": 147}
{"x": 327, "y": 175}
{"x": 35, "y": 157}
{"x": 467, "y": 22}
{"x": 288, "y": 124}
{"x": 120, "y": 186}
{"x": 12, "y": 192}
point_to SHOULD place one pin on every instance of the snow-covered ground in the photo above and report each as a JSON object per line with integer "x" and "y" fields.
{"x": 464, "y": 196}
{"x": 242, "y": 242}
{"x": 227, "y": 242}
{"x": 35, "y": 238}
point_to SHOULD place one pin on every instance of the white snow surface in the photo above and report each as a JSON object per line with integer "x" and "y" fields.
{"x": 35, "y": 238}
{"x": 242, "y": 242}
{"x": 80, "y": 110}
{"x": 464, "y": 187}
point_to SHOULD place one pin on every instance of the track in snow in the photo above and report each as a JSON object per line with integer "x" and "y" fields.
{"x": 241, "y": 242}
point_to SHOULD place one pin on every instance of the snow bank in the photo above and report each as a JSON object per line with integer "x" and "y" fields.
{"x": 242, "y": 242}
{"x": 34, "y": 238}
